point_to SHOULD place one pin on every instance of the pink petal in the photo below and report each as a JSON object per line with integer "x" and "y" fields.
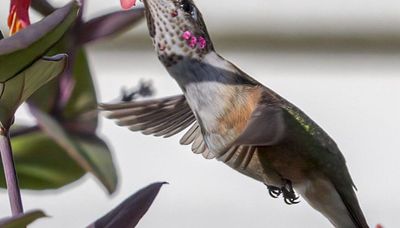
{"x": 18, "y": 17}
{"x": 127, "y": 4}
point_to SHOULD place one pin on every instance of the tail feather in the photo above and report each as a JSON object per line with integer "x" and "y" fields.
{"x": 339, "y": 204}
{"x": 350, "y": 201}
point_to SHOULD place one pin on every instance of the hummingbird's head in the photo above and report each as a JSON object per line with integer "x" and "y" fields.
{"x": 177, "y": 30}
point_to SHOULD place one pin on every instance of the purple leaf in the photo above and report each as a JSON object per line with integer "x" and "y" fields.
{"x": 129, "y": 212}
{"x": 109, "y": 24}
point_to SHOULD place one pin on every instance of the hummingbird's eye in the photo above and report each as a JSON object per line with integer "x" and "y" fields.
{"x": 189, "y": 8}
{"x": 186, "y": 6}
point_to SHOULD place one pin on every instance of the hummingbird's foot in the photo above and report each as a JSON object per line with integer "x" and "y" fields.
{"x": 288, "y": 193}
{"x": 274, "y": 192}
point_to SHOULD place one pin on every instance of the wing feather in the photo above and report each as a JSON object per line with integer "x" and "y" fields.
{"x": 146, "y": 124}
{"x": 166, "y": 117}
{"x": 190, "y": 135}
{"x": 162, "y": 118}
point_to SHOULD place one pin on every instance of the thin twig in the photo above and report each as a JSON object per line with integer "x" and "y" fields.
{"x": 43, "y": 7}
{"x": 10, "y": 173}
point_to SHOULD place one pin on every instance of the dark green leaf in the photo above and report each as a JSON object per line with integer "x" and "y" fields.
{"x": 18, "y": 88}
{"x": 99, "y": 155}
{"x": 1, "y": 35}
{"x": 43, "y": 164}
{"x": 21, "y": 50}
{"x": 21, "y": 220}
{"x": 40, "y": 73}
{"x": 47, "y": 98}
{"x": 83, "y": 98}
{"x": 90, "y": 153}
{"x": 109, "y": 24}
{"x": 129, "y": 212}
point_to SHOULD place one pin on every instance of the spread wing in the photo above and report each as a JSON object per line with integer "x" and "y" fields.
{"x": 160, "y": 117}
{"x": 168, "y": 116}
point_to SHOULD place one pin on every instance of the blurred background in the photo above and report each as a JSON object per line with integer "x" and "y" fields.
{"x": 336, "y": 60}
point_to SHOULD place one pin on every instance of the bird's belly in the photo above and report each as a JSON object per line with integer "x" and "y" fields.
{"x": 287, "y": 162}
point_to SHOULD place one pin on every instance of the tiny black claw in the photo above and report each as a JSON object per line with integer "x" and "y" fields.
{"x": 295, "y": 201}
{"x": 291, "y": 201}
{"x": 288, "y": 194}
{"x": 274, "y": 192}
{"x": 287, "y": 201}
{"x": 287, "y": 191}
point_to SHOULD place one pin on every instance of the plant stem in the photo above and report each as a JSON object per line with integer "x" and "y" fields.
{"x": 18, "y": 132}
{"x": 10, "y": 173}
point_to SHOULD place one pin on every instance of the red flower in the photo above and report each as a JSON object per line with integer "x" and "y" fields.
{"x": 19, "y": 15}
{"x": 126, "y": 4}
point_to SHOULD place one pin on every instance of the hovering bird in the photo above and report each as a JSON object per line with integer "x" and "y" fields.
{"x": 237, "y": 120}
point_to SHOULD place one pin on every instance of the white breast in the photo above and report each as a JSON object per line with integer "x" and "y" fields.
{"x": 208, "y": 88}
{"x": 208, "y": 101}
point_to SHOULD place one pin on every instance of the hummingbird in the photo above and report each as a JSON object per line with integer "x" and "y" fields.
{"x": 231, "y": 117}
